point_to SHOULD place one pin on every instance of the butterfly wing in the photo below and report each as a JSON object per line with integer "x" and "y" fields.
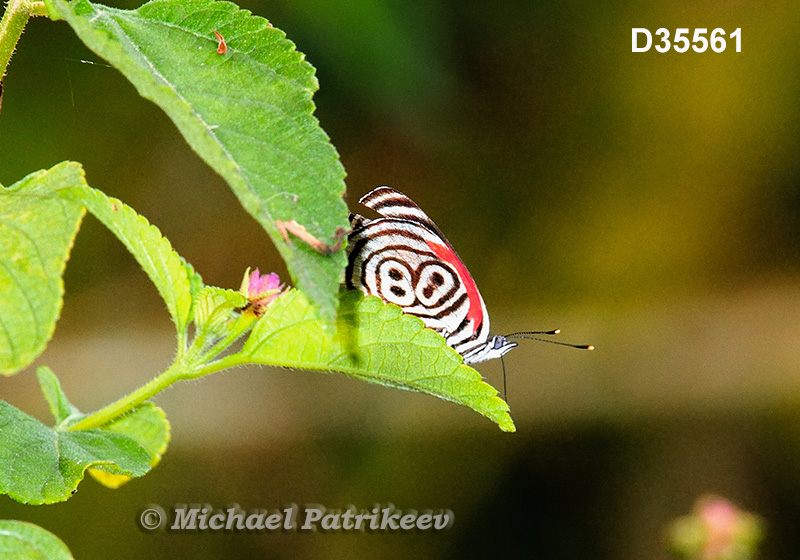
{"x": 393, "y": 204}
{"x": 404, "y": 259}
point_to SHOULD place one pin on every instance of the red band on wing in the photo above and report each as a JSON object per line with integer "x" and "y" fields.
{"x": 449, "y": 256}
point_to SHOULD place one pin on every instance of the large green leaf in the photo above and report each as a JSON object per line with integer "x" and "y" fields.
{"x": 36, "y": 234}
{"x": 174, "y": 279}
{"x": 20, "y": 540}
{"x": 41, "y": 465}
{"x": 248, "y": 113}
{"x": 375, "y": 342}
{"x": 147, "y": 425}
{"x": 39, "y": 217}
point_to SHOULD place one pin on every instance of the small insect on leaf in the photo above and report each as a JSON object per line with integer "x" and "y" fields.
{"x": 299, "y": 231}
{"x": 222, "y": 48}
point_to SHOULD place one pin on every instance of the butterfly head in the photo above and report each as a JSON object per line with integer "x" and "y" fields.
{"x": 495, "y": 347}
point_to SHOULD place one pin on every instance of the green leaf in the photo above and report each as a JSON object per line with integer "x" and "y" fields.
{"x": 61, "y": 408}
{"x": 20, "y": 540}
{"x": 39, "y": 217}
{"x": 216, "y": 308}
{"x": 247, "y": 113}
{"x": 40, "y": 465}
{"x": 375, "y": 342}
{"x": 36, "y": 234}
{"x": 148, "y": 426}
{"x": 173, "y": 277}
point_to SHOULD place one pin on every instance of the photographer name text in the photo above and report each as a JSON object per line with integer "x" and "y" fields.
{"x": 306, "y": 518}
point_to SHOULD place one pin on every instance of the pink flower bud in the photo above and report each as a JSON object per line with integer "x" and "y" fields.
{"x": 260, "y": 290}
{"x": 716, "y": 530}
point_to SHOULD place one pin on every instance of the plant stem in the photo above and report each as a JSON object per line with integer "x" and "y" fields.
{"x": 180, "y": 369}
{"x": 132, "y": 400}
{"x": 223, "y": 363}
{"x": 189, "y": 364}
{"x": 14, "y": 20}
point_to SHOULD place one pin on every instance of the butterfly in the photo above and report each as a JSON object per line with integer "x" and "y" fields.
{"x": 404, "y": 259}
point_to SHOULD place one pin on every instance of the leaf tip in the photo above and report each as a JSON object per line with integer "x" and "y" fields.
{"x": 506, "y": 424}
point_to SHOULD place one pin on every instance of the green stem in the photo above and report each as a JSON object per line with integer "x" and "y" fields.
{"x": 14, "y": 20}
{"x": 223, "y": 363}
{"x": 186, "y": 368}
{"x": 132, "y": 400}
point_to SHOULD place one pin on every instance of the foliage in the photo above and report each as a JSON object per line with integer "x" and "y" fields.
{"x": 248, "y": 113}
{"x": 24, "y": 541}
{"x": 246, "y": 109}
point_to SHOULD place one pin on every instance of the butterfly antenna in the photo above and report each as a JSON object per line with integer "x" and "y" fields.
{"x": 528, "y": 335}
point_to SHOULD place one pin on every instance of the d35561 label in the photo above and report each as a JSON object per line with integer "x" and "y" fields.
{"x": 698, "y": 39}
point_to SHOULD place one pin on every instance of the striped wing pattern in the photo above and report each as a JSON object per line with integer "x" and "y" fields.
{"x": 404, "y": 259}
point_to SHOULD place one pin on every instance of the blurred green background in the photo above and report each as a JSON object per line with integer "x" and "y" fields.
{"x": 648, "y": 204}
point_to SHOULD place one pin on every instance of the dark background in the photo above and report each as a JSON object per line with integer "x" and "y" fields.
{"x": 645, "y": 203}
